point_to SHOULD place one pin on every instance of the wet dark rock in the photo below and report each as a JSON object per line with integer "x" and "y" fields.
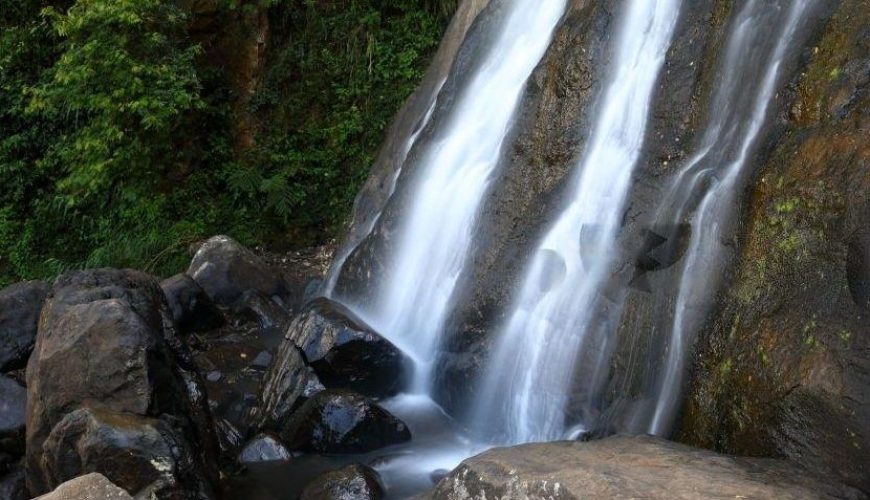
{"x": 88, "y": 487}
{"x": 345, "y": 352}
{"x": 858, "y": 267}
{"x": 191, "y": 308}
{"x": 13, "y": 485}
{"x": 228, "y": 436}
{"x": 262, "y": 361}
{"x": 13, "y": 399}
{"x": 271, "y": 316}
{"x": 629, "y": 467}
{"x": 437, "y": 475}
{"x": 107, "y": 340}
{"x": 226, "y": 271}
{"x": 312, "y": 290}
{"x": 288, "y": 383}
{"x": 214, "y": 376}
{"x": 20, "y": 306}
{"x": 336, "y": 421}
{"x": 137, "y": 453}
{"x": 353, "y": 482}
{"x": 264, "y": 448}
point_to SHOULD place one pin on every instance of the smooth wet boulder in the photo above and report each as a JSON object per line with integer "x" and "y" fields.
{"x": 229, "y": 437}
{"x": 191, "y": 308}
{"x": 87, "y": 487}
{"x": 20, "y": 305}
{"x": 345, "y": 352}
{"x": 353, "y": 482}
{"x": 226, "y": 270}
{"x": 288, "y": 383}
{"x": 627, "y": 467}
{"x": 264, "y": 448}
{"x": 107, "y": 341}
{"x": 137, "y": 453}
{"x": 13, "y": 399}
{"x": 336, "y": 421}
{"x": 269, "y": 315}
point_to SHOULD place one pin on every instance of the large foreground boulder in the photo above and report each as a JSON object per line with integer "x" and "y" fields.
{"x": 336, "y": 421}
{"x": 353, "y": 482}
{"x": 87, "y": 487}
{"x": 628, "y": 467}
{"x": 20, "y": 306}
{"x": 143, "y": 454}
{"x": 226, "y": 270}
{"x": 107, "y": 342}
{"x": 345, "y": 352}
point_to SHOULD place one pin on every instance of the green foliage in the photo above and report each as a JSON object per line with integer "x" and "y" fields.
{"x": 116, "y": 136}
{"x": 327, "y": 99}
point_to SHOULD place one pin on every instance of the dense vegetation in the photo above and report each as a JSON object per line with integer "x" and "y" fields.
{"x": 118, "y": 124}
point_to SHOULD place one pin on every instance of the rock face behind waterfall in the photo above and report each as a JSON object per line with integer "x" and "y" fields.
{"x": 109, "y": 381}
{"x": 785, "y": 368}
{"x": 624, "y": 467}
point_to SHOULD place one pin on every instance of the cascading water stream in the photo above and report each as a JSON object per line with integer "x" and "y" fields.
{"x": 717, "y": 167}
{"x": 345, "y": 251}
{"x": 530, "y": 374}
{"x": 450, "y": 183}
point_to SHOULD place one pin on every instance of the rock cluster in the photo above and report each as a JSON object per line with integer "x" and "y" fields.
{"x": 135, "y": 387}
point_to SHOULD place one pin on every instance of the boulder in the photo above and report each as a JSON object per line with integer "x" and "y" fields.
{"x": 138, "y": 453}
{"x": 13, "y": 485}
{"x": 628, "y": 467}
{"x": 88, "y": 487}
{"x": 263, "y": 448}
{"x": 20, "y": 306}
{"x": 228, "y": 436}
{"x": 345, "y": 352}
{"x": 270, "y": 316}
{"x": 337, "y": 421}
{"x": 107, "y": 341}
{"x": 13, "y": 398}
{"x": 226, "y": 270}
{"x": 353, "y": 482}
{"x": 288, "y": 383}
{"x": 192, "y": 309}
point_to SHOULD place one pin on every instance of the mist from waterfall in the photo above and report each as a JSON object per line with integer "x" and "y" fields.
{"x": 738, "y": 110}
{"x": 449, "y": 183}
{"x": 527, "y": 386}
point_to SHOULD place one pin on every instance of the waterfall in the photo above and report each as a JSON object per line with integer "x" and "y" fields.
{"x": 738, "y": 113}
{"x": 554, "y": 318}
{"x": 449, "y": 183}
{"x": 344, "y": 252}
